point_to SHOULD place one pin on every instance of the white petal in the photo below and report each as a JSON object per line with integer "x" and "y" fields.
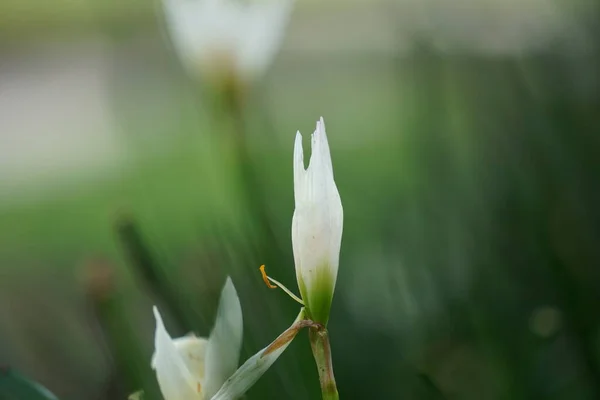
{"x": 207, "y": 33}
{"x": 299, "y": 171}
{"x": 225, "y": 341}
{"x": 321, "y": 139}
{"x": 257, "y": 365}
{"x": 193, "y": 351}
{"x": 174, "y": 378}
{"x": 317, "y": 226}
{"x": 265, "y": 24}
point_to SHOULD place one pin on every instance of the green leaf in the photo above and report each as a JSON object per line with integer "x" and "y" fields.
{"x": 14, "y": 386}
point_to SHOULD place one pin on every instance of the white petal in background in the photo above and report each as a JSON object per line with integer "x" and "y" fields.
{"x": 207, "y": 33}
{"x": 174, "y": 378}
{"x": 193, "y": 351}
{"x": 225, "y": 341}
{"x": 266, "y": 26}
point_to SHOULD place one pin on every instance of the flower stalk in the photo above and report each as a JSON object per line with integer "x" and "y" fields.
{"x": 317, "y": 226}
{"x": 319, "y": 342}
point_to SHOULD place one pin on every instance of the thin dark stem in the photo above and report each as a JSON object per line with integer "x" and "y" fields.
{"x": 247, "y": 174}
{"x": 148, "y": 270}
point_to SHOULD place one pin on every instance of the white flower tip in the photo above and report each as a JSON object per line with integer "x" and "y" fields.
{"x": 298, "y": 153}
{"x": 224, "y": 342}
{"x": 228, "y": 287}
{"x": 321, "y": 125}
{"x": 320, "y": 133}
{"x": 298, "y": 142}
{"x": 229, "y": 304}
{"x": 320, "y": 155}
{"x": 157, "y": 315}
{"x": 160, "y": 327}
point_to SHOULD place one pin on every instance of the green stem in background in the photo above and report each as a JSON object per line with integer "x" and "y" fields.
{"x": 319, "y": 341}
{"x": 231, "y": 99}
{"x": 148, "y": 270}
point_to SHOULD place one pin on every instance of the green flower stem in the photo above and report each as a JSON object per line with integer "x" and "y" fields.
{"x": 230, "y": 99}
{"x": 319, "y": 341}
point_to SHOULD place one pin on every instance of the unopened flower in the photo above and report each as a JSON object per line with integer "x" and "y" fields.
{"x": 222, "y": 37}
{"x": 316, "y": 226}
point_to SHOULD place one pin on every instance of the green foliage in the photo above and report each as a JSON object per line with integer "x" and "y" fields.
{"x": 14, "y": 386}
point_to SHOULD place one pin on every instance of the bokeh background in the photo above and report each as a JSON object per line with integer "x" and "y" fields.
{"x": 465, "y": 141}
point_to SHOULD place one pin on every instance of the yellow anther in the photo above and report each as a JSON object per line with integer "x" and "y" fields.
{"x": 267, "y": 279}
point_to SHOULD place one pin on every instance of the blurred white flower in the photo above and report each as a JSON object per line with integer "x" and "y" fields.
{"x": 192, "y": 367}
{"x": 316, "y": 225}
{"x": 221, "y": 37}
{"x": 195, "y": 368}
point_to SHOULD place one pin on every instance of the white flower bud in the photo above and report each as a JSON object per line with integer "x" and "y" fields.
{"x": 316, "y": 226}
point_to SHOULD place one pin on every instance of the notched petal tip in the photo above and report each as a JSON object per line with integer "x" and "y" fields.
{"x": 320, "y": 129}
{"x": 321, "y": 133}
{"x": 319, "y": 139}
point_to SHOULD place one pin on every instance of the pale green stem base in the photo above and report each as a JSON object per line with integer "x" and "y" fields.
{"x": 319, "y": 341}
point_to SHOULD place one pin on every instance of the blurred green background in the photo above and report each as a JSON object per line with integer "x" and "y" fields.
{"x": 465, "y": 141}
